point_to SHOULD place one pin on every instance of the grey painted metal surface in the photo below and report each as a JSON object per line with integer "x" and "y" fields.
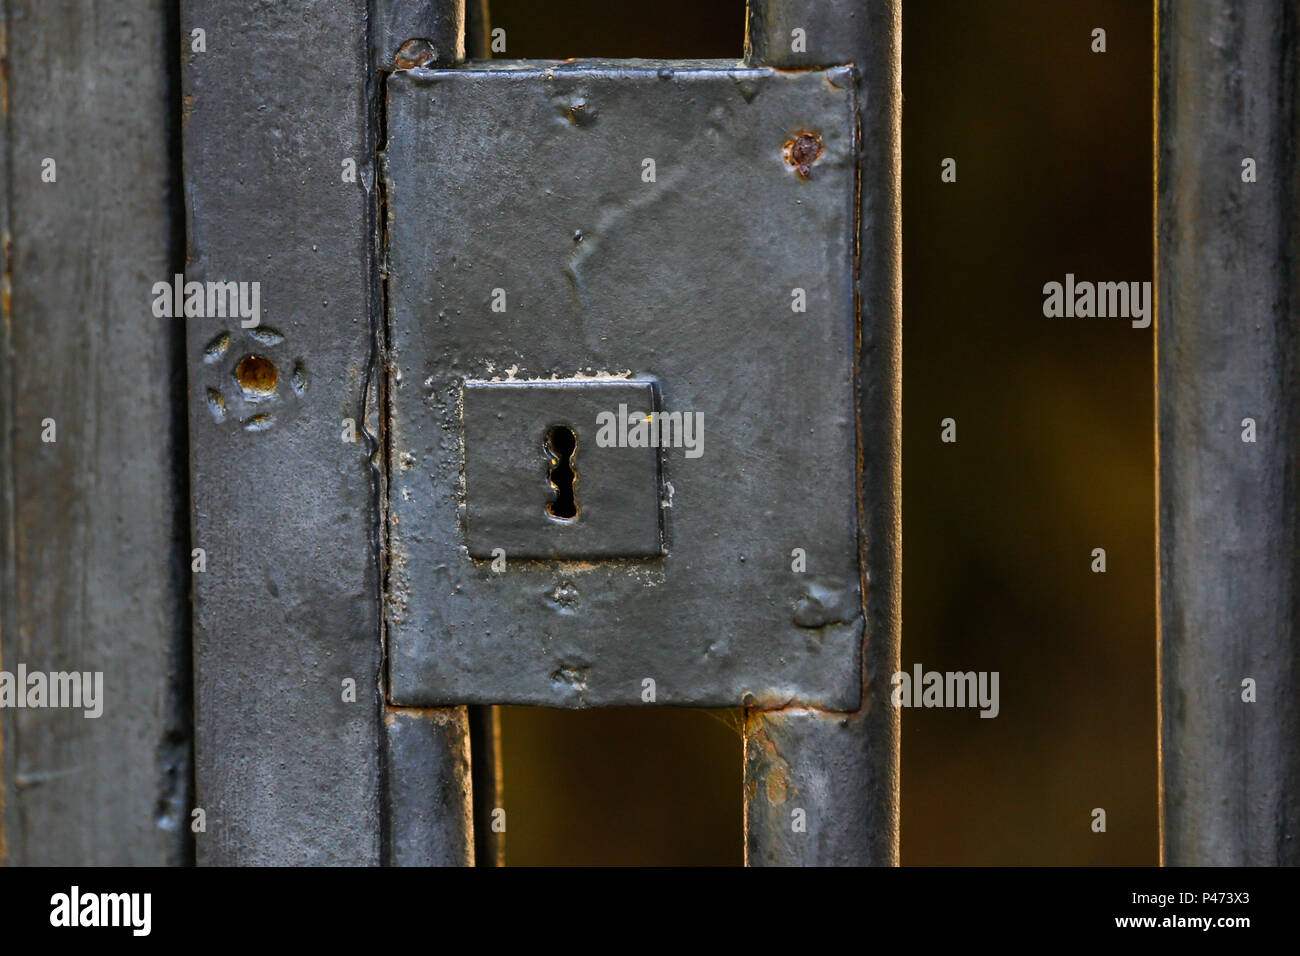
{"x": 1226, "y": 270}
{"x": 793, "y": 750}
{"x": 430, "y": 797}
{"x": 95, "y": 563}
{"x": 686, "y": 279}
{"x": 288, "y": 609}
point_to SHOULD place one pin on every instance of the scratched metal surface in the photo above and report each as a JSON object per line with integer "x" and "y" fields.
{"x": 527, "y": 177}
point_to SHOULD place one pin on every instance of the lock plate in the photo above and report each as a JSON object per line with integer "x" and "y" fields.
{"x": 514, "y": 473}
{"x": 687, "y": 224}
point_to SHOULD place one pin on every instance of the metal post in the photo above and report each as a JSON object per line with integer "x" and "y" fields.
{"x": 478, "y": 30}
{"x": 94, "y": 556}
{"x": 279, "y": 160}
{"x": 430, "y": 794}
{"x": 1227, "y": 384}
{"x": 841, "y": 770}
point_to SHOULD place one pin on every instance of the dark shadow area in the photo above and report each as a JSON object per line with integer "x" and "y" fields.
{"x": 665, "y": 29}
{"x": 622, "y": 786}
{"x": 1055, "y": 432}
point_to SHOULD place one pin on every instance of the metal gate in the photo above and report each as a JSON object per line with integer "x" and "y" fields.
{"x": 480, "y": 364}
{"x": 403, "y": 323}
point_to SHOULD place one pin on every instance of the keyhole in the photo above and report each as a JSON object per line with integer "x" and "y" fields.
{"x": 563, "y": 446}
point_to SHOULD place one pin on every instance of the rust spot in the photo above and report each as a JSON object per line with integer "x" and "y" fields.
{"x": 778, "y": 788}
{"x": 414, "y": 53}
{"x": 257, "y": 377}
{"x": 7, "y": 284}
{"x": 764, "y": 763}
{"x": 802, "y": 151}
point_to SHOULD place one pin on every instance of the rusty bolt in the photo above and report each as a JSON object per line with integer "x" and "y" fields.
{"x": 802, "y": 151}
{"x": 415, "y": 53}
{"x": 257, "y": 377}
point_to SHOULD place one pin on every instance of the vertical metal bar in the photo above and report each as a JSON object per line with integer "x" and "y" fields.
{"x": 429, "y": 795}
{"x": 485, "y": 722}
{"x": 409, "y": 33}
{"x": 94, "y": 550}
{"x": 841, "y": 770}
{"x": 485, "y": 746}
{"x": 8, "y": 577}
{"x": 478, "y": 30}
{"x": 279, "y": 173}
{"x": 432, "y": 797}
{"x": 1227, "y": 372}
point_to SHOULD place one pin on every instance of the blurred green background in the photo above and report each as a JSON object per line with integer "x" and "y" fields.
{"x": 1055, "y": 457}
